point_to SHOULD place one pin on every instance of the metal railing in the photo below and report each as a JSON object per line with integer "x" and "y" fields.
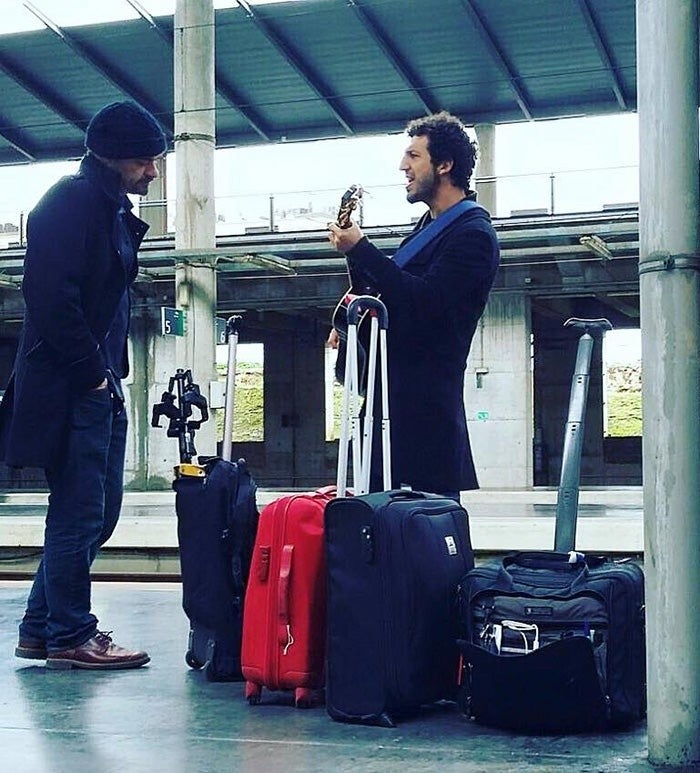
{"x": 544, "y": 193}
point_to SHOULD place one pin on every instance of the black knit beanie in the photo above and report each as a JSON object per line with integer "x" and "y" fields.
{"x": 125, "y": 130}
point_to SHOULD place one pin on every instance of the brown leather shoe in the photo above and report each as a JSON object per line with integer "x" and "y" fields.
{"x": 97, "y": 653}
{"x": 31, "y": 649}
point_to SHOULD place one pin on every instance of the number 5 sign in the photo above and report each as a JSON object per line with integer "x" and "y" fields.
{"x": 173, "y": 322}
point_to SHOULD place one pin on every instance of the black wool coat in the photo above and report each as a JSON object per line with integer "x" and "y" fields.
{"x": 434, "y": 304}
{"x": 74, "y": 278}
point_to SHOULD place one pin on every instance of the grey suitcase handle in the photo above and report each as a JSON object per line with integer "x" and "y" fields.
{"x": 569, "y": 482}
{"x": 351, "y": 433}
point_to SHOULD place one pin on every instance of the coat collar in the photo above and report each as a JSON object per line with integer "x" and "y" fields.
{"x": 106, "y": 179}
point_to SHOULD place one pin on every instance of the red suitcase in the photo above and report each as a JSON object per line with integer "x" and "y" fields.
{"x": 284, "y": 620}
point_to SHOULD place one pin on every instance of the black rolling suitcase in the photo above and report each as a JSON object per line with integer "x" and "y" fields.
{"x": 216, "y": 525}
{"x": 393, "y": 561}
{"x": 553, "y": 641}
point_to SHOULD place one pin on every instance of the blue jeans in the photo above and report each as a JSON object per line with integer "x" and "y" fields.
{"x": 84, "y": 502}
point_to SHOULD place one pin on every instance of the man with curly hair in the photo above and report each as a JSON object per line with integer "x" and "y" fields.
{"x": 435, "y": 289}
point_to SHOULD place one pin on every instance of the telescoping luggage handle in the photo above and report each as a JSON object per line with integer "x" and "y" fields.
{"x": 567, "y": 496}
{"x": 233, "y": 326}
{"x": 350, "y": 431}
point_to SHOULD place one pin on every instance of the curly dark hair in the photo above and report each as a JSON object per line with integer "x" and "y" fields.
{"x": 447, "y": 141}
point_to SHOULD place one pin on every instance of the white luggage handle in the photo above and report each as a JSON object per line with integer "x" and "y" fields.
{"x": 358, "y": 307}
{"x": 233, "y": 325}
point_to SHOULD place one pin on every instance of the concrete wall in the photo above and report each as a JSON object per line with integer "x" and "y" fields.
{"x": 507, "y": 402}
{"x": 498, "y": 394}
{"x": 294, "y": 452}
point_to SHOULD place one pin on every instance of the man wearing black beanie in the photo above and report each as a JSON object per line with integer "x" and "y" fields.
{"x": 63, "y": 409}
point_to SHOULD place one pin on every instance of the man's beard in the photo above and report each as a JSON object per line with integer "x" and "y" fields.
{"x": 424, "y": 191}
{"x": 140, "y": 188}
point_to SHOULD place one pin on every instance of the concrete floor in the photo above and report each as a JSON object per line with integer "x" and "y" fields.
{"x": 167, "y": 718}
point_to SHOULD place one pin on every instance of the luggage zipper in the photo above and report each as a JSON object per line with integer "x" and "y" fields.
{"x": 389, "y": 628}
{"x": 279, "y": 533}
{"x": 630, "y": 587}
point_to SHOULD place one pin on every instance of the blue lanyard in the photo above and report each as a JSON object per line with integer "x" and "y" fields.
{"x": 431, "y": 231}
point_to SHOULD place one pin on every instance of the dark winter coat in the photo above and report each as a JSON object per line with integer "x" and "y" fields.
{"x": 73, "y": 280}
{"x": 434, "y": 304}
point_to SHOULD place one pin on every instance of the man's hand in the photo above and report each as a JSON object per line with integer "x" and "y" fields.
{"x": 344, "y": 239}
{"x": 333, "y": 339}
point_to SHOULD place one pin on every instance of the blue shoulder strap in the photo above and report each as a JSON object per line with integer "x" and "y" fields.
{"x": 431, "y": 231}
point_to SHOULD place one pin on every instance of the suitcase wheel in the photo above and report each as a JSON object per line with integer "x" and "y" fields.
{"x": 191, "y": 660}
{"x": 252, "y": 693}
{"x": 303, "y": 697}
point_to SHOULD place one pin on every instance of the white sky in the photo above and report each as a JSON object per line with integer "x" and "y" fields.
{"x": 593, "y": 161}
{"x": 587, "y": 162}
{"x": 66, "y": 13}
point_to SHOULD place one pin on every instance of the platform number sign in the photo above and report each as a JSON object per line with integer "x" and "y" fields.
{"x": 220, "y": 331}
{"x": 173, "y": 322}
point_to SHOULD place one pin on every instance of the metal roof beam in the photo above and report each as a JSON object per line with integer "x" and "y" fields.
{"x": 603, "y": 52}
{"x": 312, "y": 80}
{"x": 45, "y": 96}
{"x": 400, "y": 64}
{"x": 223, "y": 87}
{"x": 499, "y": 57}
{"x": 9, "y": 134}
{"x": 615, "y": 302}
{"x": 105, "y": 70}
{"x": 229, "y": 93}
{"x": 146, "y": 16}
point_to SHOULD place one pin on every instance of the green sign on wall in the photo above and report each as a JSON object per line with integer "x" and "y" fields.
{"x": 220, "y": 330}
{"x": 173, "y": 322}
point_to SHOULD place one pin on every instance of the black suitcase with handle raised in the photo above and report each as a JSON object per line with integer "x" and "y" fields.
{"x": 217, "y": 519}
{"x": 553, "y": 641}
{"x": 393, "y": 560}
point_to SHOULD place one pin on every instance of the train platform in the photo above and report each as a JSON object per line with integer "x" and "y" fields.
{"x": 610, "y": 519}
{"x": 167, "y": 718}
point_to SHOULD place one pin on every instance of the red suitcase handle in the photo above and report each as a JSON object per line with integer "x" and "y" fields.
{"x": 285, "y": 635}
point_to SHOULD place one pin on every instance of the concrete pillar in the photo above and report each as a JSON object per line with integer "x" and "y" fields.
{"x": 195, "y": 218}
{"x": 279, "y": 406}
{"x": 667, "y": 89}
{"x": 486, "y": 166}
{"x": 498, "y": 394}
{"x": 310, "y": 432}
{"x": 150, "y": 454}
{"x": 153, "y": 207}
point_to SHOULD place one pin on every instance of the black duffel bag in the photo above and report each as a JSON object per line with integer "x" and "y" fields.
{"x": 552, "y": 643}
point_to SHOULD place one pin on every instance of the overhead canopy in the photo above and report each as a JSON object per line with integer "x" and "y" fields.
{"x": 327, "y": 68}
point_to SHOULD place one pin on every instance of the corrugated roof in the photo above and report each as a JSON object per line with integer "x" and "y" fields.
{"x": 325, "y": 68}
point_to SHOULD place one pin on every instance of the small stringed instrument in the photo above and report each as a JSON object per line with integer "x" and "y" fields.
{"x": 348, "y": 203}
{"x": 339, "y": 319}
